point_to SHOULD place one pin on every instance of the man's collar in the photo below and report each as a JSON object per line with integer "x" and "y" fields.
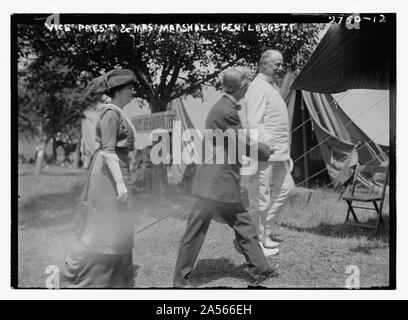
{"x": 268, "y": 79}
{"x": 264, "y": 77}
{"x": 232, "y": 98}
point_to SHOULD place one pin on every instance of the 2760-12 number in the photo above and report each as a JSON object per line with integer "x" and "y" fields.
{"x": 355, "y": 18}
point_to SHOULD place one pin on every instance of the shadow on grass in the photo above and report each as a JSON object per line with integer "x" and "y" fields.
{"x": 25, "y": 173}
{"x": 208, "y": 270}
{"x": 51, "y": 174}
{"x": 349, "y": 231}
{"x": 36, "y": 212}
{"x": 60, "y": 208}
{"x": 65, "y": 174}
{"x": 52, "y": 170}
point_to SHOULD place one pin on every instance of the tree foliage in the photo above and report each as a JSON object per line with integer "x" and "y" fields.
{"x": 167, "y": 64}
{"x": 54, "y": 67}
{"x": 49, "y": 98}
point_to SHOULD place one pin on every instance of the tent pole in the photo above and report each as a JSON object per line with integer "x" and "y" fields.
{"x": 305, "y": 161}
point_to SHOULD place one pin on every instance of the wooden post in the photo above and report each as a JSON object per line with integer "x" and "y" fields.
{"x": 77, "y": 157}
{"x": 40, "y": 154}
{"x": 305, "y": 156}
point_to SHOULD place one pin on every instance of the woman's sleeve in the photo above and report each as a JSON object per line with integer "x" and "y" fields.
{"x": 109, "y": 131}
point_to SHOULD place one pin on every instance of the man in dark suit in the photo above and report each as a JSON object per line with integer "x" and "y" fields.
{"x": 217, "y": 187}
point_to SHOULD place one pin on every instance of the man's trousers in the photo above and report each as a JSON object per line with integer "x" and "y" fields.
{"x": 268, "y": 191}
{"x": 197, "y": 227}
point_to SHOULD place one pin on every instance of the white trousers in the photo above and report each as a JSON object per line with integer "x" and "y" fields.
{"x": 268, "y": 191}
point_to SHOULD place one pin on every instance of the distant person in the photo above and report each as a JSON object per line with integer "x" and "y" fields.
{"x": 217, "y": 187}
{"x": 103, "y": 256}
{"x": 264, "y": 109}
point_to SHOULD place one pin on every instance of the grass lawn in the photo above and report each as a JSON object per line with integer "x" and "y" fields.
{"x": 316, "y": 249}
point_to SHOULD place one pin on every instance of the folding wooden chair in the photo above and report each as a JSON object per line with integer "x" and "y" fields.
{"x": 366, "y": 195}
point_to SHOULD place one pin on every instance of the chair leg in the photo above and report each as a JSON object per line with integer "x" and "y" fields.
{"x": 377, "y": 228}
{"x": 350, "y": 209}
{"x": 348, "y": 212}
{"x": 353, "y": 213}
{"x": 377, "y": 209}
{"x": 379, "y": 222}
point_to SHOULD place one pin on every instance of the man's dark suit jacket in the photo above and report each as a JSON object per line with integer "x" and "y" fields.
{"x": 220, "y": 182}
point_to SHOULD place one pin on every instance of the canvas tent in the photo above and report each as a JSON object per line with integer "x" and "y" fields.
{"x": 356, "y": 66}
{"x": 324, "y": 136}
{"x": 374, "y": 122}
{"x": 350, "y": 59}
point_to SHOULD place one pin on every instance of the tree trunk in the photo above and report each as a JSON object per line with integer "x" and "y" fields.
{"x": 159, "y": 183}
{"x": 39, "y": 159}
{"x": 77, "y": 157}
{"x": 53, "y": 115}
{"x": 54, "y": 150}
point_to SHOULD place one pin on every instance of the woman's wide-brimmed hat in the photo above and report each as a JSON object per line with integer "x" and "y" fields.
{"x": 112, "y": 79}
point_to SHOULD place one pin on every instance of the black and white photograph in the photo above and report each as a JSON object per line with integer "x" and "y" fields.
{"x": 203, "y": 151}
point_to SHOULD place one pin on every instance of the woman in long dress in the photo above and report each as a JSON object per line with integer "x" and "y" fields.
{"x": 102, "y": 258}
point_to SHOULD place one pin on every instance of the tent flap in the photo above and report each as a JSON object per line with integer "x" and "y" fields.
{"x": 350, "y": 59}
{"x": 340, "y": 141}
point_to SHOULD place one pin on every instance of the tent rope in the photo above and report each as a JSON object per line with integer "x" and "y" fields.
{"x": 192, "y": 201}
{"x": 347, "y": 124}
{"x": 368, "y": 162}
{"x": 314, "y": 175}
{"x": 166, "y": 216}
{"x": 317, "y": 113}
{"x": 344, "y": 158}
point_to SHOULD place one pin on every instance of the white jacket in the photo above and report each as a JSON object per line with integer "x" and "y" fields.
{"x": 265, "y": 110}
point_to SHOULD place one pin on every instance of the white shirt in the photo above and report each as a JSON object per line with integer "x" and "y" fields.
{"x": 265, "y": 110}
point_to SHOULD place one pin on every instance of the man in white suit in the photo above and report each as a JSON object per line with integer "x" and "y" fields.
{"x": 264, "y": 109}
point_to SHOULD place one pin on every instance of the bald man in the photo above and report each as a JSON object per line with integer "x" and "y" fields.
{"x": 217, "y": 187}
{"x": 264, "y": 109}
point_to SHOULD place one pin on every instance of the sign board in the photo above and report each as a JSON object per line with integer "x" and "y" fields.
{"x": 149, "y": 122}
